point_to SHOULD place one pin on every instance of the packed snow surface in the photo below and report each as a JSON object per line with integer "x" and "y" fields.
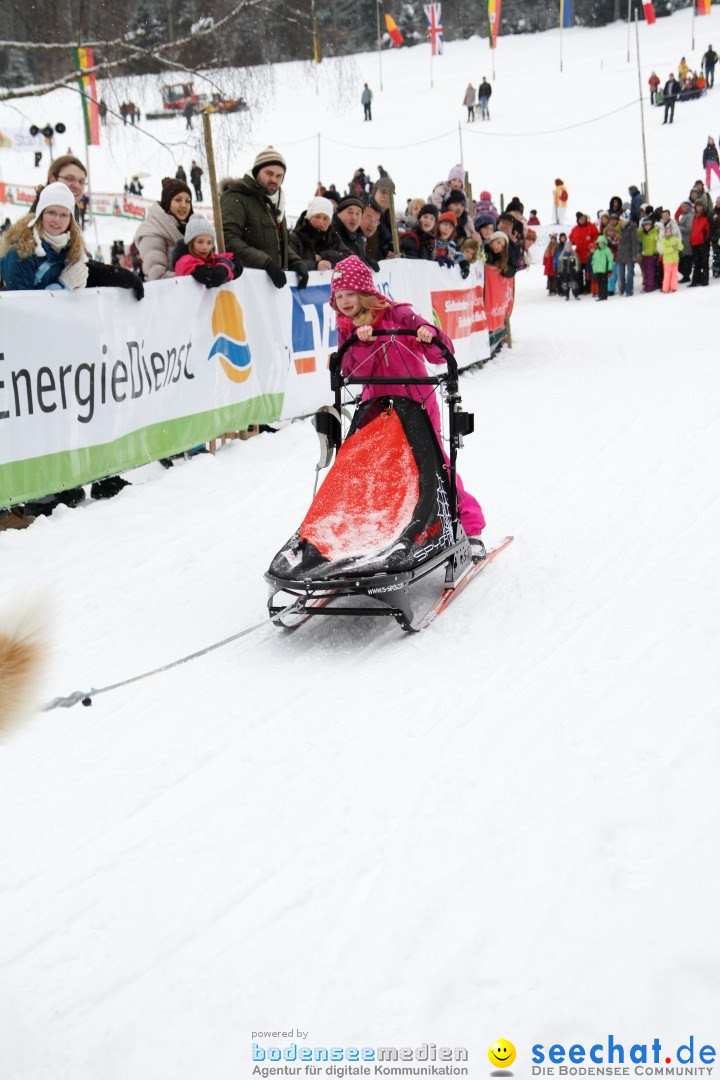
{"x": 503, "y": 827}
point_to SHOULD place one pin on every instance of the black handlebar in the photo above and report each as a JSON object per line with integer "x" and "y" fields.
{"x": 451, "y": 377}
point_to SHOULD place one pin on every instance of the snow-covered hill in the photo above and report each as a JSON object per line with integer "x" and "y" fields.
{"x": 504, "y": 827}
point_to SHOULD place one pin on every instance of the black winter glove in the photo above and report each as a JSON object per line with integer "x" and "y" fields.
{"x": 276, "y": 275}
{"x": 302, "y": 276}
{"x": 237, "y": 266}
{"x": 210, "y": 276}
{"x": 464, "y": 268}
{"x": 102, "y": 275}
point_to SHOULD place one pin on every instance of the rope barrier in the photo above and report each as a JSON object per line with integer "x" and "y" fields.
{"x": 551, "y": 131}
{"x": 86, "y": 696}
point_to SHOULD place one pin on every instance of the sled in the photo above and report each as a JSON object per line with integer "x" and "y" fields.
{"x": 386, "y": 514}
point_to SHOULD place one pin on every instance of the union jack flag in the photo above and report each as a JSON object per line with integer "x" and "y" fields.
{"x": 433, "y": 14}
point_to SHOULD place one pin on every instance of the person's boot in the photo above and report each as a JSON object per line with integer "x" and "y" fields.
{"x": 108, "y": 488}
{"x": 71, "y": 497}
{"x": 14, "y": 518}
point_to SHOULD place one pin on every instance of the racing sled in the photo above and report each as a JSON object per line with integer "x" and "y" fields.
{"x": 386, "y": 514}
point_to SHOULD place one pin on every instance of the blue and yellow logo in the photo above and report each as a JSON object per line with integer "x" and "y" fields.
{"x": 230, "y": 344}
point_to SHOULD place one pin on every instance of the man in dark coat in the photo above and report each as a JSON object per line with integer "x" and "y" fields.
{"x": 709, "y": 61}
{"x": 381, "y": 195}
{"x": 196, "y": 175}
{"x": 347, "y": 225}
{"x": 314, "y": 239}
{"x": 671, "y": 89}
{"x": 254, "y": 224}
{"x": 484, "y": 92}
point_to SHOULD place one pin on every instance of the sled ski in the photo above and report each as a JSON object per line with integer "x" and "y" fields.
{"x": 386, "y": 515}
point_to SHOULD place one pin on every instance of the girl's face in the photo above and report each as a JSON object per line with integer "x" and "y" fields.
{"x": 456, "y": 184}
{"x": 56, "y": 220}
{"x": 202, "y": 246}
{"x": 497, "y": 246}
{"x": 180, "y": 206}
{"x": 445, "y": 230}
{"x": 348, "y": 303}
{"x": 486, "y": 231}
{"x": 427, "y": 222}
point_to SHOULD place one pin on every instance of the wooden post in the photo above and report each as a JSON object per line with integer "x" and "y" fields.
{"x": 209, "y": 154}
{"x": 468, "y": 192}
{"x": 642, "y": 108}
{"x": 393, "y": 222}
{"x": 508, "y": 332}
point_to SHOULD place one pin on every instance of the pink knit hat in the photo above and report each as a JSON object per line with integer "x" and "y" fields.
{"x": 354, "y": 276}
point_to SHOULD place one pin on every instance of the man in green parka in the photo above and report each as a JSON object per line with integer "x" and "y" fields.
{"x": 253, "y": 218}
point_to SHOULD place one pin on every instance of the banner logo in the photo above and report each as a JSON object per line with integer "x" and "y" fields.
{"x": 230, "y": 343}
{"x": 314, "y": 333}
{"x": 502, "y": 1054}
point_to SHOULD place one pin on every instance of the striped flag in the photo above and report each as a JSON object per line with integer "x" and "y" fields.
{"x": 433, "y": 14}
{"x": 703, "y": 7}
{"x": 566, "y": 14}
{"x": 83, "y": 60}
{"x": 494, "y": 20}
{"x": 397, "y": 38}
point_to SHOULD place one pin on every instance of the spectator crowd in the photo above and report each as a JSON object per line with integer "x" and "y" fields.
{"x": 45, "y": 249}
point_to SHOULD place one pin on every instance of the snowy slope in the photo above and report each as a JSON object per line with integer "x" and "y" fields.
{"x": 504, "y": 827}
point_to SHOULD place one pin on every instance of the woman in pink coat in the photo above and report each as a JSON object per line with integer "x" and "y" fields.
{"x": 361, "y": 309}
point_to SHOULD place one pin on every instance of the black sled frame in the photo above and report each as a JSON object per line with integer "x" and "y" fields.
{"x": 390, "y": 592}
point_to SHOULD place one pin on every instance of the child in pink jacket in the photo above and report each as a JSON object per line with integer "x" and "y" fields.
{"x": 360, "y": 309}
{"x": 195, "y": 255}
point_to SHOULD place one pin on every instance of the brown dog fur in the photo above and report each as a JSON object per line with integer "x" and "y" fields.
{"x": 21, "y": 654}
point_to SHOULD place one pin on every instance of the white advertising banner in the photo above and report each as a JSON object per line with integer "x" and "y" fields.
{"x": 95, "y": 382}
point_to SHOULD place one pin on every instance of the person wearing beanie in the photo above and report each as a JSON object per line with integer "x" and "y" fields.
{"x": 360, "y": 310}
{"x": 195, "y": 256}
{"x": 485, "y": 226}
{"x": 457, "y": 204}
{"x": 454, "y": 182}
{"x": 45, "y": 249}
{"x": 159, "y": 234}
{"x": 314, "y": 238}
{"x": 446, "y": 251}
{"x": 419, "y": 243}
{"x": 254, "y": 223}
{"x": 347, "y": 225}
{"x": 369, "y": 227}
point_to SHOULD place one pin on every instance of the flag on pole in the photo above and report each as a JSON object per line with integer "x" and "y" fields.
{"x": 494, "y": 20}
{"x": 566, "y": 14}
{"x": 703, "y": 7}
{"x": 433, "y": 14}
{"x": 397, "y": 38}
{"x": 649, "y": 13}
{"x": 83, "y": 60}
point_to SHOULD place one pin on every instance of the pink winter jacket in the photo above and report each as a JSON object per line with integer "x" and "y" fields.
{"x": 382, "y": 358}
{"x": 187, "y": 263}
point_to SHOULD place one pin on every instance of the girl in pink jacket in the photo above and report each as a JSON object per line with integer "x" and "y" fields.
{"x": 195, "y": 255}
{"x": 361, "y": 309}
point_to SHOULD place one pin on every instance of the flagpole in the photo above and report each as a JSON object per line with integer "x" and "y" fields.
{"x": 628, "y": 26}
{"x": 694, "y": 5}
{"x": 642, "y": 108}
{"x": 377, "y": 12}
{"x": 431, "y": 69}
{"x": 562, "y": 20}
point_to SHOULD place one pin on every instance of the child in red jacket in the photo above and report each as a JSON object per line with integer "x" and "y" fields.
{"x": 196, "y": 256}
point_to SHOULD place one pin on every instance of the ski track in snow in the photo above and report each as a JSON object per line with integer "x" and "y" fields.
{"x": 503, "y": 826}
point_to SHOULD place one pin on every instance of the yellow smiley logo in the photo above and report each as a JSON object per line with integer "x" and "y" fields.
{"x": 502, "y": 1054}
